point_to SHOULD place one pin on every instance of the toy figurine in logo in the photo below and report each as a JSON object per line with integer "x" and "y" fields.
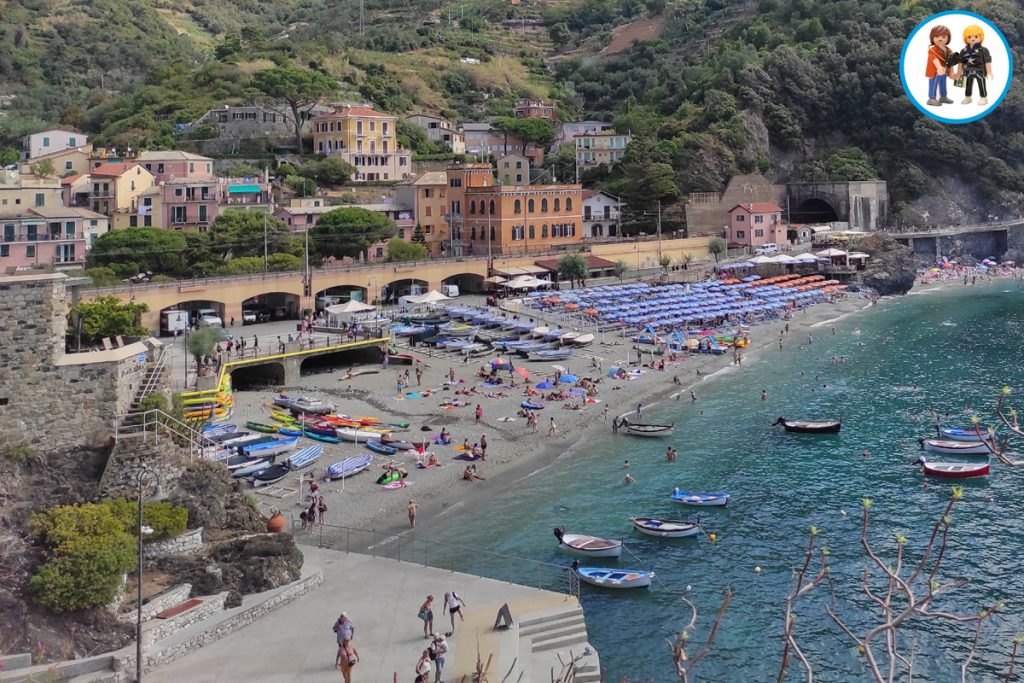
{"x": 972, "y": 64}
{"x": 938, "y": 68}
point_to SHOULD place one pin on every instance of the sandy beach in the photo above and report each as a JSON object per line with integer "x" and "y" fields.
{"x": 514, "y": 452}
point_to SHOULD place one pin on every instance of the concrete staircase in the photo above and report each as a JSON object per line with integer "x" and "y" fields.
{"x": 156, "y": 378}
{"x": 550, "y": 640}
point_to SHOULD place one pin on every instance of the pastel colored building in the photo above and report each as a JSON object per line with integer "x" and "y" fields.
{"x": 528, "y": 108}
{"x": 116, "y": 188}
{"x": 364, "y": 138}
{"x": 565, "y": 133}
{"x": 601, "y": 217}
{"x": 189, "y": 194}
{"x": 751, "y": 225}
{"x": 483, "y": 140}
{"x": 513, "y": 169}
{"x": 70, "y": 161}
{"x": 488, "y": 219}
{"x": 440, "y": 131}
{"x": 305, "y": 214}
{"x": 427, "y": 194}
{"x": 44, "y": 237}
{"x": 20, "y": 191}
{"x": 50, "y": 141}
{"x": 600, "y": 147}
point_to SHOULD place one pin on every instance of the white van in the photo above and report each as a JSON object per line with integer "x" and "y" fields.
{"x": 767, "y": 249}
{"x": 450, "y": 290}
{"x": 208, "y": 317}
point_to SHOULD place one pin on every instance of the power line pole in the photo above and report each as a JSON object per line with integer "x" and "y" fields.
{"x": 265, "y": 254}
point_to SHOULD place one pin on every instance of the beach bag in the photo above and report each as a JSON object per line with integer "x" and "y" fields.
{"x": 423, "y": 614}
{"x": 959, "y": 82}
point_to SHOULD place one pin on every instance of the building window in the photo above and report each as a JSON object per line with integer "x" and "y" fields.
{"x": 492, "y": 207}
{"x": 5, "y": 250}
{"x": 544, "y": 230}
{"x": 544, "y": 205}
{"x": 178, "y": 214}
{"x": 133, "y": 221}
{"x": 69, "y": 166}
{"x": 455, "y": 182}
{"x": 518, "y": 206}
{"x": 202, "y": 213}
{"x": 30, "y": 251}
{"x": 739, "y": 218}
{"x": 506, "y": 164}
{"x": 69, "y": 228}
{"x": 740, "y": 234}
{"x": 159, "y": 168}
{"x": 531, "y": 230}
{"x": 429, "y": 211}
{"x": 492, "y": 234}
{"x": 759, "y": 219}
{"x": 519, "y": 177}
{"x": 46, "y": 142}
{"x": 177, "y": 191}
{"x": 557, "y": 204}
{"x": 40, "y": 199}
{"x": 530, "y": 206}
{"x": 568, "y": 203}
{"x": 380, "y": 252}
{"x": 359, "y": 127}
{"x": 759, "y": 233}
{"x": 147, "y": 221}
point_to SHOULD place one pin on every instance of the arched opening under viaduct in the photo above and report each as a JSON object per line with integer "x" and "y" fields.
{"x": 339, "y": 295}
{"x": 336, "y": 360}
{"x": 273, "y": 306}
{"x": 399, "y": 288}
{"x": 468, "y": 283}
{"x": 170, "y": 325}
{"x": 256, "y": 377}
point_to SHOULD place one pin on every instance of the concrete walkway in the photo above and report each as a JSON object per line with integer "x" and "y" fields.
{"x": 382, "y": 597}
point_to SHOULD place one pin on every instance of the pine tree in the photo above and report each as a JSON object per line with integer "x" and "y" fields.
{"x": 418, "y": 236}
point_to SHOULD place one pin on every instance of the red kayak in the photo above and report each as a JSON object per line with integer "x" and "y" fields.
{"x": 955, "y": 470}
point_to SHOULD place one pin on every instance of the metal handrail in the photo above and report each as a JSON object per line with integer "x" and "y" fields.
{"x": 152, "y": 421}
{"x": 154, "y": 373}
{"x": 466, "y": 560}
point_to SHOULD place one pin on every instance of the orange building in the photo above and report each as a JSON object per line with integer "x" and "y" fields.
{"x": 428, "y": 196}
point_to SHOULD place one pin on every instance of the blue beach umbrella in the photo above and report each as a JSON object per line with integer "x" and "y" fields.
{"x": 569, "y": 379}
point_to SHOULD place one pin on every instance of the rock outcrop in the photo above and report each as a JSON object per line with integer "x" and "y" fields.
{"x": 892, "y": 267}
{"x": 215, "y": 501}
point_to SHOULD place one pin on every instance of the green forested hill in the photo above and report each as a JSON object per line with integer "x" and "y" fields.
{"x": 794, "y": 88}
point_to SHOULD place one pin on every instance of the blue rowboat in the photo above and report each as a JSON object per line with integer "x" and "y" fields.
{"x": 376, "y": 446}
{"x": 614, "y": 578}
{"x": 322, "y": 437}
{"x": 979, "y": 433}
{"x": 211, "y": 430}
{"x": 306, "y": 457}
{"x": 700, "y": 499}
{"x": 666, "y": 528}
{"x": 273, "y": 447}
{"x": 348, "y": 467}
{"x": 285, "y": 431}
{"x": 531, "y": 405}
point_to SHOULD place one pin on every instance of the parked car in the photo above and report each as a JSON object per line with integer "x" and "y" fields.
{"x": 248, "y": 316}
{"x": 767, "y": 249}
{"x": 208, "y": 317}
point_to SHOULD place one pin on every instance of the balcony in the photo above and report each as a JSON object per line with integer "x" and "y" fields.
{"x": 43, "y": 237}
{"x": 68, "y": 260}
{"x": 100, "y": 194}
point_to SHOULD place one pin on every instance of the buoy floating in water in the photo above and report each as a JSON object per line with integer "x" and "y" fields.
{"x": 712, "y": 537}
{"x": 757, "y": 570}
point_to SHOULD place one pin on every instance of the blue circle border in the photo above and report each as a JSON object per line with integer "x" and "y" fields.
{"x": 931, "y": 114}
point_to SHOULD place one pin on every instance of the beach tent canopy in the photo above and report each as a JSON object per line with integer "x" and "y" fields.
{"x": 859, "y": 255}
{"x": 433, "y": 297}
{"x": 830, "y": 253}
{"x": 526, "y": 282}
{"x": 349, "y": 307}
{"x": 761, "y": 259}
{"x": 495, "y": 279}
{"x": 783, "y": 258}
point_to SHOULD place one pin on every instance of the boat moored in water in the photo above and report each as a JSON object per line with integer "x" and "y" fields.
{"x": 665, "y": 528}
{"x": 954, "y": 447}
{"x": 587, "y": 546}
{"x": 699, "y": 499}
{"x": 954, "y": 470}
{"x": 614, "y": 578}
{"x": 810, "y": 426}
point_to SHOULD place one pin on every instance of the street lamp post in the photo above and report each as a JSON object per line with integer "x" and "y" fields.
{"x": 144, "y": 475}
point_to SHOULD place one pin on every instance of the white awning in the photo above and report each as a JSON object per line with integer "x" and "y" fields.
{"x": 859, "y": 254}
{"x": 349, "y": 307}
{"x": 513, "y": 271}
{"x": 495, "y": 279}
{"x": 830, "y": 253}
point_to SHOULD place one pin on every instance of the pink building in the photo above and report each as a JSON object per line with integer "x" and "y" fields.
{"x": 42, "y": 236}
{"x": 752, "y": 225}
{"x": 186, "y": 195}
{"x": 304, "y": 214}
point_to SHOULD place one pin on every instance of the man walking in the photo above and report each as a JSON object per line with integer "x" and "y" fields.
{"x": 345, "y": 630}
{"x": 552, "y": 429}
{"x": 412, "y": 507}
{"x": 438, "y": 649}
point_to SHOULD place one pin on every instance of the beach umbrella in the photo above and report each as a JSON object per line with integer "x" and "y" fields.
{"x": 568, "y": 379}
{"x": 497, "y": 362}
{"x": 523, "y": 372}
{"x": 545, "y": 385}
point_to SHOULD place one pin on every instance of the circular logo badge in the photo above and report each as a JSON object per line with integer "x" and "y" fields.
{"x": 956, "y": 67}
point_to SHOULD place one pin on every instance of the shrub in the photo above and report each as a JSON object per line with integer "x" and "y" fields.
{"x": 155, "y": 401}
{"x": 165, "y": 519}
{"x": 88, "y": 551}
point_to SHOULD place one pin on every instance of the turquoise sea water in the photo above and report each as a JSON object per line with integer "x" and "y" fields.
{"x": 944, "y": 350}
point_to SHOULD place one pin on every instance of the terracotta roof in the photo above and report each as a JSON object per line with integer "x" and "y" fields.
{"x": 593, "y": 263}
{"x": 432, "y": 178}
{"x": 113, "y": 170}
{"x": 70, "y": 179}
{"x": 765, "y": 207}
{"x": 171, "y": 155}
{"x": 353, "y": 111}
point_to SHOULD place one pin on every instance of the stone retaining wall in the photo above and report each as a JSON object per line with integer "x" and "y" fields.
{"x": 170, "y": 598}
{"x": 239, "y": 620}
{"x": 166, "y": 627}
{"x": 182, "y": 543}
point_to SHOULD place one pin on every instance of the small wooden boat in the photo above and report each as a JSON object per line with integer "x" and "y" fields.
{"x": 403, "y": 359}
{"x": 321, "y": 429}
{"x": 377, "y": 447}
{"x": 665, "y": 528}
{"x": 955, "y": 470}
{"x": 700, "y": 499}
{"x": 237, "y": 462}
{"x": 651, "y": 430}
{"x": 272, "y": 447}
{"x": 614, "y": 578}
{"x": 305, "y": 457}
{"x": 583, "y": 340}
{"x": 212, "y": 430}
{"x": 252, "y": 467}
{"x": 261, "y": 427}
{"x": 979, "y": 433}
{"x": 303, "y": 404}
{"x": 569, "y": 338}
{"x": 321, "y": 437}
{"x": 270, "y": 475}
{"x": 224, "y": 437}
{"x": 400, "y": 445}
{"x": 539, "y": 332}
{"x": 241, "y": 438}
{"x": 587, "y": 546}
{"x": 550, "y": 354}
{"x": 810, "y": 426}
{"x": 349, "y": 467}
{"x": 954, "y": 447}
{"x": 353, "y": 434}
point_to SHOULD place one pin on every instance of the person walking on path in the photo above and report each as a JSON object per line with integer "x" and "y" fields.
{"x": 385, "y": 360}
{"x": 412, "y": 507}
{"x": 451, "y": 375}
{"x": 426, "y": 614}
{"x": 256, "y": 344}
{"x": 321, "y": 509}
{"x": 552, "y": 429}
{"x": 479, "y": 412}
{"x": 345, "y": 630}
{"x": 454, "y": 604}
{"x": 438, "y": 649}
{"x": 639, "y": 412}
{"x": 483, "y": 446}
{"x": 419, "y": 377}
{"x": 532, "y": 421}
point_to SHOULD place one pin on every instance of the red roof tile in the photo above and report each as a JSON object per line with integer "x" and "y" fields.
{"x": 352, "y": 111}
{"x": 767, "y": 207}
{"x": 68, "y": 180}
{"x": 113, "y": 170}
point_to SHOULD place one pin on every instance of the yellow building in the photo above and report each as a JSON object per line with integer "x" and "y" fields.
{"x": 364, "y": 138}
{"x": 428, "y": 195}
{"x": 65, "y": 162}
{"x": 21, "y": 191}
{"x": 599, "y": 147}
{"x": 116, "y": 188}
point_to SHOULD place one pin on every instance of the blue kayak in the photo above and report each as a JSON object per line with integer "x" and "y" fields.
{"x": 376, "y": 446}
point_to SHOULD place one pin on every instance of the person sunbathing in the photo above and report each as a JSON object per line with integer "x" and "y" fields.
{"x": 469, "y": 474}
